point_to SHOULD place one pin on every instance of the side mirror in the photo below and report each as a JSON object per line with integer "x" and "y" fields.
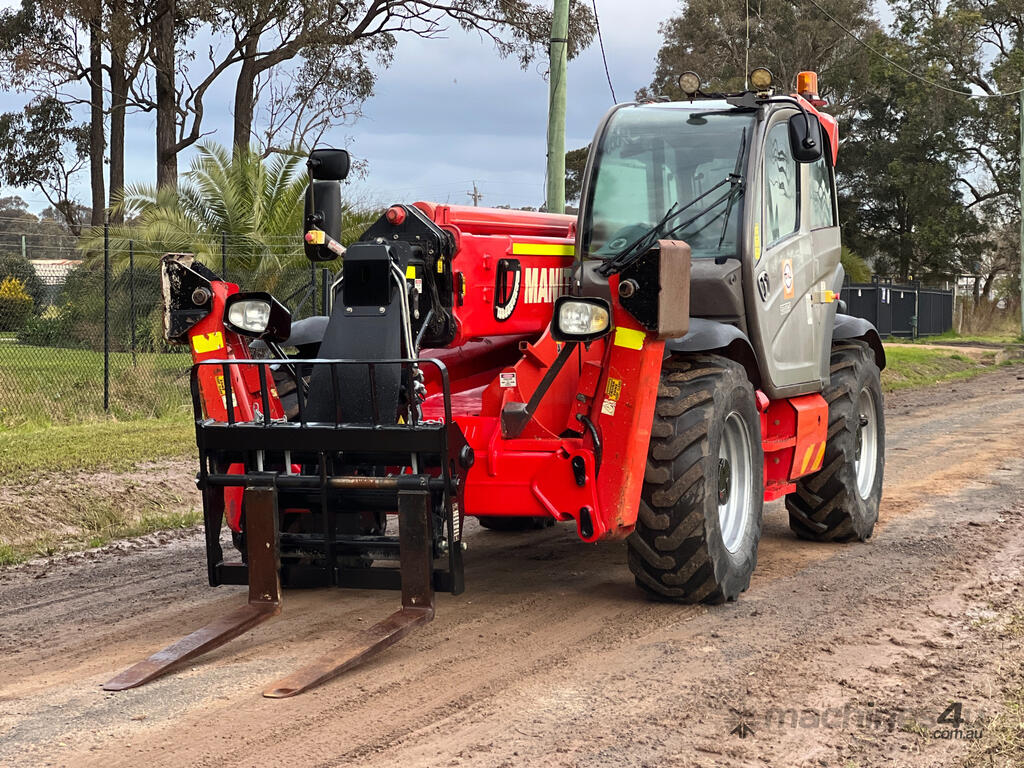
{"x": 805, "y": 137}
{"x": 323, "y": 212}
{"x": 328, "y": 164}
{"x": 258, "y": 315}
{"x": 581, "y": 318}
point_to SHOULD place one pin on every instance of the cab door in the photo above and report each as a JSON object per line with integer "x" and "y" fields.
{"x": 789, "y": 327}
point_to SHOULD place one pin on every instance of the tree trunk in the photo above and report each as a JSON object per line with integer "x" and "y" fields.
{"x": 166, "y": 98}
{"x": 118, "y": 101}
{"x": 245, "y": 97}
{"x": 97, "y": 143}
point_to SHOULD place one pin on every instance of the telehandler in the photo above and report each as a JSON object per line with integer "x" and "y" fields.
{"x": 652, "y": 370}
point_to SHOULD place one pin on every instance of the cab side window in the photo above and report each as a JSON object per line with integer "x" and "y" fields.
{"x": 822, "y": 193}
{"x": 782, "y": 185}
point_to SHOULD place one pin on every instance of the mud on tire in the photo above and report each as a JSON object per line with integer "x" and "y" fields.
{"x": 678, "y": 550}
{"x": 836, "y": 503}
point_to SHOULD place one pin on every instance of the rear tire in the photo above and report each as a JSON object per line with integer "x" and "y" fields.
{"x": 840, "y": 501}
{"x": 514, "y": 524}
{"x": 700, "y": 512}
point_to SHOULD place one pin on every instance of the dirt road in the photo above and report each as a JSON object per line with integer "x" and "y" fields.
{"x": 836, "y": 656}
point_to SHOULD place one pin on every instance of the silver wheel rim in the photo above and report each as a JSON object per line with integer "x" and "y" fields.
{"x": 735, "y": 480}
{"x": 867, "y": 443}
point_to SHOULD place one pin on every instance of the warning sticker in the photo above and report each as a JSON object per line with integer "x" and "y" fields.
{"x": 788, "y": 280}
{"x": 506, "y": 380}
{"x": 608, "y": 407}
{"x": 784, "y": 307}
{"x": 757, "y": 242}
{"x": 613, "y": 389}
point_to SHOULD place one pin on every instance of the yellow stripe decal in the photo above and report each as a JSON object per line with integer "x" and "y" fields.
{"x": 208, "y": 343}
{"x": 410, "y": 272}
{"x": 821, "y": 455}
{"x": 629, "y": 338}
{"x": 807, "y": 458}
{"x": 542, "y": 249}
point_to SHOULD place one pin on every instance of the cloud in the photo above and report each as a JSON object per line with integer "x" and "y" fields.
{"x": 449, "y": 111}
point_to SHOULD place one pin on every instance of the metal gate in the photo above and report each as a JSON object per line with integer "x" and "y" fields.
{"x": 900, "y": 310}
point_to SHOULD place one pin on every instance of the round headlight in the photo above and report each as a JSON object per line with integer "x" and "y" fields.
{"x": 689, "y": 82}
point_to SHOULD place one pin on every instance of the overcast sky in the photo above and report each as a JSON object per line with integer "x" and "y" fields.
{"x": 448, "y": 112}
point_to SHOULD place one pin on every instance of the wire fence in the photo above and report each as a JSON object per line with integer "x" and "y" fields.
{"x": 81, "y": 335}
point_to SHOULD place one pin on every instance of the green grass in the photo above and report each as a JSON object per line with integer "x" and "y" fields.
{"x": 953, "y": 336}
{"x": 101, "y": 445}
{"x": 43, "y": 385}
{"x": 909, "y": 367}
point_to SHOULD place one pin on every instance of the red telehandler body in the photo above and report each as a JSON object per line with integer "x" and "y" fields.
{"x": 649, "y": 370}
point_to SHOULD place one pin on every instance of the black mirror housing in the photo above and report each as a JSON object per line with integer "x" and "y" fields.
{"x": 328, "y": 164}
{"x": 279, "y": 322}
{"x": 323, "y": 212}
{"x": 805, "y": 138}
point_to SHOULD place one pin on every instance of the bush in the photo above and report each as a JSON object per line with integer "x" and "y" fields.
{"x": 15, "y": 304}
{"x": 49, "y": 329}
{"x": 13, "y": 265}
{"x": 857, "y": 270}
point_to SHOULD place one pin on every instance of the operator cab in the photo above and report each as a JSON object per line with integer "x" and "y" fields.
{"x": 690, "y": 157}
{"x": 746, "y": 180}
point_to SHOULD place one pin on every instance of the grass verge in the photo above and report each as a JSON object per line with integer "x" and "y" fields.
{"x": 49, "y": 385}
{"x": 105, "y": 528}
{"x": 100, "y": 445}
{"x": 909, "y": 367}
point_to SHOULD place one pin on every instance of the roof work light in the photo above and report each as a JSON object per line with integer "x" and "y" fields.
{"x": 689, "y": 82}
{"x": 761, "y": 79}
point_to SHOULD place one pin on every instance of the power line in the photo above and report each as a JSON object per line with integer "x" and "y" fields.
{"x": 903, "y": 69}
{"x": 604, "y": 58}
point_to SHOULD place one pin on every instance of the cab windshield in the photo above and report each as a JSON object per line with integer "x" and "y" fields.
{"x": 652, "y": 158}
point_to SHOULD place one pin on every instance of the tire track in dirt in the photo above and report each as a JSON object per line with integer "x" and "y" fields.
{"x": 550, "y": 641}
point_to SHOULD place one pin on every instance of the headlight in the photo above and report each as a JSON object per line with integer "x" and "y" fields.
{"x": 251, "y": 316}
{"x": 580, "y": 318}
{"x": 259, "y": 315}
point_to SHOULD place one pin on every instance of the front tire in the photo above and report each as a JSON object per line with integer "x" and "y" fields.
{"x": 701, "y": 505}
{"x": 840, "y": 501}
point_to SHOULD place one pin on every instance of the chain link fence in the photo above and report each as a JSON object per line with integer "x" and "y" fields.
{"x": 82, "y": 336}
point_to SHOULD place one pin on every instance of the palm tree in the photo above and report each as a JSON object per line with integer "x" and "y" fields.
{"x": 251, "y": 205}
{"x": 238, "y": 199}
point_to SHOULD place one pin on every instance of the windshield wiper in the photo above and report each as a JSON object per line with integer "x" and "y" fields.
{"x": 739, "y": 178}
{"x": 639, "y": 246}
{"x": 642, "y": 244}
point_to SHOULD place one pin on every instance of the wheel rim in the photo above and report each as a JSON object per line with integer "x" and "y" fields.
{"x": 867, "y": 443}
{"x": 735, "y": 480}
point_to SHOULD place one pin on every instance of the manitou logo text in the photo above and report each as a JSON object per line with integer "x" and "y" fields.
{"x": 545, "y": 284}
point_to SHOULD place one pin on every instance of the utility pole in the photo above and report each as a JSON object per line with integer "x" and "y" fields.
{"x": 558, "y": 53}
{"x": 476, "y": 194}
